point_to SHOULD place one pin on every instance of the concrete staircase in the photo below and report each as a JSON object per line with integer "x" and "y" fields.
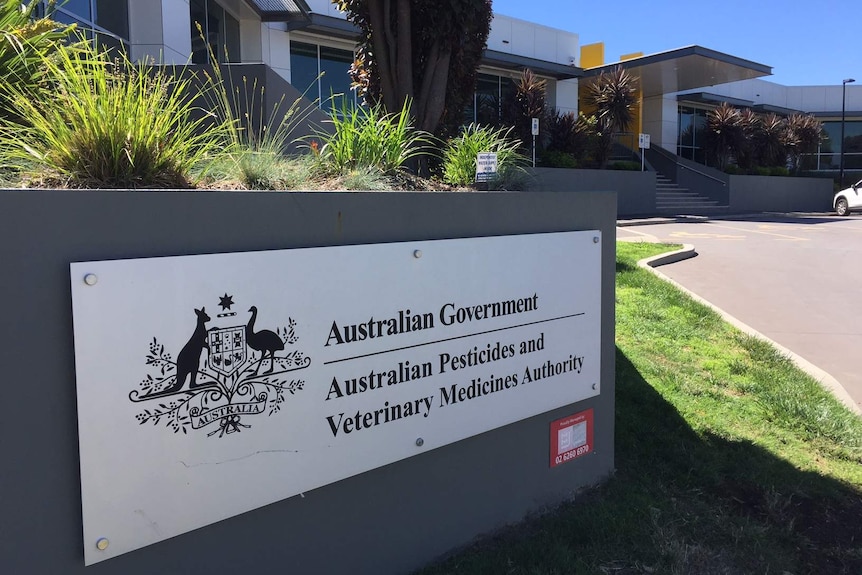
{"x": 672, "y": 199}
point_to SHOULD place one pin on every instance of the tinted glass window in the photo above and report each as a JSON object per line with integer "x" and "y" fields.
{"x": 335, "y": 84}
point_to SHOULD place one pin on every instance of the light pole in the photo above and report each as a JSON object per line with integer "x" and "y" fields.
{"x": 843, "y": 100}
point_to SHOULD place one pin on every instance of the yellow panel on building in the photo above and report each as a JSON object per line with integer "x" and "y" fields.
{"x": 592, "y": 55}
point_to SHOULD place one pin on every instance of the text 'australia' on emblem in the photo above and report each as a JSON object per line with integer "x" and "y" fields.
{"x": 229, "y": 385}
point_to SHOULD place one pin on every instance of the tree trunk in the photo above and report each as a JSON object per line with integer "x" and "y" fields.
{"x": 435, "y": 102}
{"x": 378, "y": 11}
{"x": 405, "y": 53}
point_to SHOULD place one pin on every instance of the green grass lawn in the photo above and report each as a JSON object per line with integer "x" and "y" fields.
{"x": 729, "y": 459}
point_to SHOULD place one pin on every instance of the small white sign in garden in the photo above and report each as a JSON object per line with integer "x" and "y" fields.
{"x": 486, "y": 166}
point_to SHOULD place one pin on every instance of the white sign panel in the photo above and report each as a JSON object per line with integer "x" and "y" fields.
{"x": 211, "y": 385}
{"x": 643, "y": 141}
{"x": 535, "y": 127}
{"x": 486, "y": 166}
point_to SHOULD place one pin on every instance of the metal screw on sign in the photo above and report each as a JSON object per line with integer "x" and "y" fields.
{"x": 417, "y": 254}
{"x": 420, "y": 442}
{"x": 102, "y": 543}
{"x": 91, "y": 279}
{"x": 596, "y": 239}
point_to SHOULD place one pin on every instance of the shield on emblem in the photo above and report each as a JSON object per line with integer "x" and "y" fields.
{"x": 227, "y": 350}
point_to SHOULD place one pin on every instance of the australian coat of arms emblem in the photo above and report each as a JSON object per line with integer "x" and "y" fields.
{"x": 228, "y": 371}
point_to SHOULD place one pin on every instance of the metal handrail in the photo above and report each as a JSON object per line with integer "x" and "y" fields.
{"x": 671, "y": 156}
{"x": 723, "y": 183}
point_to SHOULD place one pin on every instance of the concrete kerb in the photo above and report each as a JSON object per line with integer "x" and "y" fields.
{"x": 825, "y": 379}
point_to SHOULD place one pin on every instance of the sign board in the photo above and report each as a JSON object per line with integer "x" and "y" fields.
{"x": 535, "y": 127}
{"x": 643, "y": 141}
{"x": 211, "y": 385}
{"x": 486, "y": 166}
{"x": 571, "y": 437}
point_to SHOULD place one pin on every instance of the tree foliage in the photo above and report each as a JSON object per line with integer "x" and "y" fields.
{"x": 613, "y": 95}
{"x": 426, "y": 51}
{"x": 752, "y": 141}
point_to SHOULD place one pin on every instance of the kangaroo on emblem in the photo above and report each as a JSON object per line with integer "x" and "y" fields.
{"x": 189, "y": 359}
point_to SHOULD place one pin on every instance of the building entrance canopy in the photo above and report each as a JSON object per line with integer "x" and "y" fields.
{"x": 686, "y": 68}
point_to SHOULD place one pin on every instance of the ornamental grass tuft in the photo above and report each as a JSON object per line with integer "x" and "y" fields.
{"x": 459, "y": 158}
{"x": 367, "y": 138}
{"x": 110, "y": 123}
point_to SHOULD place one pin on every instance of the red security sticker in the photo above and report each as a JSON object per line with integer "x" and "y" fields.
{"x": 571, "y": 437}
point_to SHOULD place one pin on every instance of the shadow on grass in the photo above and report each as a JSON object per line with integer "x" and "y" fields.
{"x": 682, "y": 502}
{"x": 773, "y": 514}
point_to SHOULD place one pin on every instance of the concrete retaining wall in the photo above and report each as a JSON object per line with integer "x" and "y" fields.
{"x": 388, "y": 520}
{"x": 635, "y": 190}
{"x": 779, "y": 194}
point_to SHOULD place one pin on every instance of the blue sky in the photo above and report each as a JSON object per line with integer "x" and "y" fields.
{"x": 813, "y": 42}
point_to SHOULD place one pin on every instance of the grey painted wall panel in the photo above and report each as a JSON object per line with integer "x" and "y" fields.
{"x": 635, "y": 190}
{"x": 389, "y": 520}
{"x": 779, "y": 194}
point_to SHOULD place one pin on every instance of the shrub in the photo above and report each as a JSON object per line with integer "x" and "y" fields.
{"x": 557, "y": 159}
{"x": 571, "y": 133}
{"x": 529, "y": 103}
{"x": 111, "y": 124}
{"x": 367, "y": 137}
{"x": 625, "y": 165}
{"x": 459, "y": 158}
{"x": 779, "y": 171}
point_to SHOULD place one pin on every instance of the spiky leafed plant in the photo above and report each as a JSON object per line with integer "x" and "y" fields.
{"x": 724, "y": 134}
{"x": 614, "y": 96}
{"x": 746, "y": 152}
{"x": 24, "y": 41}
{"x": 569, "y": 133}
{"x": 529, "y": 103}
{"x": 769, "y": 141}
{"x": 802, "y": 136}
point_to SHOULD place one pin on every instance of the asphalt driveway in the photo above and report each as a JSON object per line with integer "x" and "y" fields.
{"x": 797, "y": 279}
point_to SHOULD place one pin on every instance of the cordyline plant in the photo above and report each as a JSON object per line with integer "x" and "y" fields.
{"x": 724, "y": 135}
{"x": 613, "y": 96}
{"x": 803, "y": 134}
{"x": 529, "y": 103}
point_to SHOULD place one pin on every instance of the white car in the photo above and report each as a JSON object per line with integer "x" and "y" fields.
{"x": 848, "y": 200}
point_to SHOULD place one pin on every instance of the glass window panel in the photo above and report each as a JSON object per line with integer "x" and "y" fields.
{"x": 198, "y": 13}
{"x": 80, "y": 8}
{"x": 335, "y": 64}
{"x": 686, "y": 128}
{"x": 487, "y": 99}
{"x": 303, "y": 68}
{"x": 231, "y": 38}
{"x": 113, "y": 16}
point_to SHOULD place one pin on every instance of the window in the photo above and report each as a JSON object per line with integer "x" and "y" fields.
{"x": 333, "y": 88}
{"x": 492, "y": 94}
{"x": 106, "y": 22}
{"x": 692, "y": 123}
{"x": 218, "y": 33}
